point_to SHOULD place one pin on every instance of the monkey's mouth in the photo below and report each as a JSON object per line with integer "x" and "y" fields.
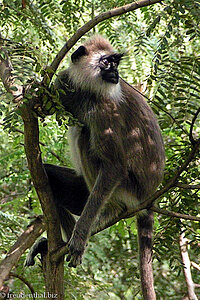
{"x": 110, "y": 76}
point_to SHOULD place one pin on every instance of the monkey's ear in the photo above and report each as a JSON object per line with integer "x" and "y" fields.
{"x": 78, "y": 53}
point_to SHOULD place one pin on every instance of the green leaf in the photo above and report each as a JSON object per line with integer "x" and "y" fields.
{"x": 13, "y": 88}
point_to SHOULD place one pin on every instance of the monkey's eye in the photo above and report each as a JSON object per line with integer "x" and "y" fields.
{"x": 106, "y": 62}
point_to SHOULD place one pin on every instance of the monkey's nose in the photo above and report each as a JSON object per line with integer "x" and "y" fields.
{"x": 113, "y": 66}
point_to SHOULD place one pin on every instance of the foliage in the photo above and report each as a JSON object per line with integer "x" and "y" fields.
{"x": 162, "y": 45}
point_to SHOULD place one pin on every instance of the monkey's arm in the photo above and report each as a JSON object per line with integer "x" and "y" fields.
{"x": 100, "y": 193}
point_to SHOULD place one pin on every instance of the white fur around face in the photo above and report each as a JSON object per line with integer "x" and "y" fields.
{"x": 85, "y": 74}
{"x": 74, "y": 133}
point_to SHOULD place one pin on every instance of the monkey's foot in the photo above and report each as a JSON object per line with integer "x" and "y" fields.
{"x": 76, "y": 248}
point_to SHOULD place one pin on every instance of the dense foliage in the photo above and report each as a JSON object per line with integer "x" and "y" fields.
{"x": 162, "y": 43}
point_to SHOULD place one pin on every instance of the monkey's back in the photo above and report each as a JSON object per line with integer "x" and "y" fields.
{"x": 144, "y": 143}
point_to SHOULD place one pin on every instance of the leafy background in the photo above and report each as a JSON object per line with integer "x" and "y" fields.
{"x": 162, "y": 46}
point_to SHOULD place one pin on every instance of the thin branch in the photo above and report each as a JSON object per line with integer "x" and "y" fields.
{"x": 197, "y": 286}
{"x": 174, "y": 214}
{"x": 192, "y": 140}
{"x": 187, "y": 186}
{"x": 25, "y": 281}
{"x": 194, "y": 265}
{"x": 186, "y": 267}
{"x": 88, "y": 26}
{"x": 24, "y": 242}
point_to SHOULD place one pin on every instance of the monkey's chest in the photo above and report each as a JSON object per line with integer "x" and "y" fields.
{"x": 84, "y": 162}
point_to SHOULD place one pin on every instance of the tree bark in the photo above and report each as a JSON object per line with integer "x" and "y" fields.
{"x": 53, "y": 270}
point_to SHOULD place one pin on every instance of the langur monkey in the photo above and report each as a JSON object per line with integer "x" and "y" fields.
{"x": 118, "y": 152}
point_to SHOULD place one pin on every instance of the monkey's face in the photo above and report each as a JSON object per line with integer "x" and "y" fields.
{"x": 97, "y": 65}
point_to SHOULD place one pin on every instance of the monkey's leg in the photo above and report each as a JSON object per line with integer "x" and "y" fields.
{"x": 70, "y": 195}
{"x": 39, "y": 247}
{"x": 69, "y": 190}
{"x": 100, "y": 194}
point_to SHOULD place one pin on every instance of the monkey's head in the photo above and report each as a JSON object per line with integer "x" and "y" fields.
{"x": 95, "y": 65}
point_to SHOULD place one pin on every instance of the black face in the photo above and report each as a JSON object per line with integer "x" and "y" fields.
{"x": 108, "y": 66}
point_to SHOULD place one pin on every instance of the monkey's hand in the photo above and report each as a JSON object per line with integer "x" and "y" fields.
{"x": 76, "y": 246}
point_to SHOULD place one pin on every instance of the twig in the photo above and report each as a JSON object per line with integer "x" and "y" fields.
{"x": 187, "y": 186}
{"x": 25, "y": 281}
{"x": 174, "y": 214}
{"x": 197, "y": 286}
{"x": 194, "y": 265}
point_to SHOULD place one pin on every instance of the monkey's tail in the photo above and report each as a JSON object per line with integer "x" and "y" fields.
{"x": 145, "y": 237}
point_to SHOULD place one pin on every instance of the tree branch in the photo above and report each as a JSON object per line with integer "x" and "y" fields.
{"x": 186, "y": 267}
{"x": 174, "y": 214}
{"x": 194, "y": 265}
{"x": 24, "y": 242}
{"x": 33, "y": 153}
{"x": 187, "y": 186}
{"x": 26, "y": 282}
{"x": 54, "y": 271}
